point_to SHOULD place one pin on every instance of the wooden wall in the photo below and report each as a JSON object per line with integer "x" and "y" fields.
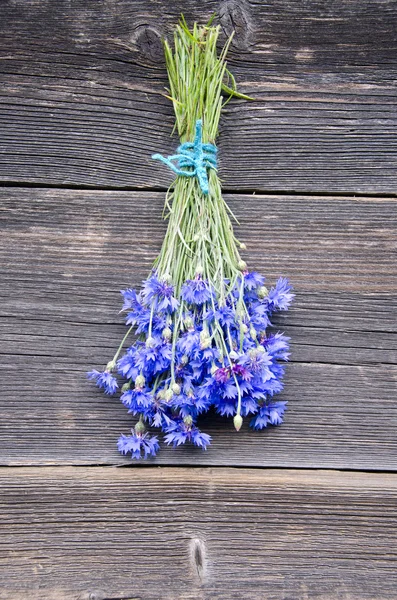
{"x": 304, "y": 511}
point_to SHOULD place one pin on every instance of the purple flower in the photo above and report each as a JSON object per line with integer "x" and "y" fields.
{"x": 189, "y": 342}
{"x": 138, "y": 444}
{"x": 137, "y": 400}
{"x": 253, "y": 280}
{"x": 261, "y": 419}
{"x": 280, "y": 296}
{"x": 104, "y": 380}
{"x": 272, "y": 413}
{"x": 196, "y": 291}
{"x": 189, "y": 404}
{"x": 276, "y": 412}
{"x": 222, "y": 355}
{"x": 126, "y": 366}
{"x": 179, "y": 432}
{"x": 130, "y": 299}
{"x": 226, "y": 407}
{"x": 155, "y": 358}
{"x": 222, "y": 375}
{"x": 277, "y": 346}
{"x": 248, "y": 406}
{"x": 225, "y": 315}
{"x": 259, "y": 317}
{"x": 256, "y": 360}
{"x": 159, "y": 294}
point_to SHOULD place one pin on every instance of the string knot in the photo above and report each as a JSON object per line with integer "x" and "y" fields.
{"x": 195, "y": 156}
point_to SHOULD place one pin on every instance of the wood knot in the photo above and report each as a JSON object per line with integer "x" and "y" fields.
{"x": 234, "y": 16}
{"x": 198, "y": 557}
{"x": 148, "y": 42}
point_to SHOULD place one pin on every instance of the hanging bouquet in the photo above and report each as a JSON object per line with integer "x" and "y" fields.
{"x": 201, "y": 318}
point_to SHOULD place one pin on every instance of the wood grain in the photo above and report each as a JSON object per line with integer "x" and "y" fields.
{"x": 188, "y": 534}
{"x": 81, "y": 97}
{"x": 64, "y": 256}
{"x": 81, "y": 106}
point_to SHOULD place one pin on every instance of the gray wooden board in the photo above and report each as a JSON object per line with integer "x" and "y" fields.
{"x": 66, "y": 253}
{"x": 81, "y": 93}
{"x": 197, "y": 534}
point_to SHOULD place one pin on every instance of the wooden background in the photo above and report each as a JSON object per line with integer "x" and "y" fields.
{"x": 307, "y": 510}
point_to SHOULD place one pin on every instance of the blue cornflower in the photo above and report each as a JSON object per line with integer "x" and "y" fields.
{"x": 159, "y": 294}
{"x": 248, "y": 406}
{"x": 104, "y": 380}
{"x": 272, "y": 413}
{"x": 189, "y": 342}
{"x": 155, "y": 358}
{"x": 140, "y": 316}
{"x": 181, "y": 431}
{"x": 188, "y": 404}
{"x": 138, "y": 443}
{"x": 159, "y": 414}
{"x": 277, "y": 346}
{"x": 225, "y": 406}
{"x": 126, "y": 366}
{"x": 256, "y": 360}
{"x": 253, "y": 280}
{"x": 280, "y": 296}
{"x": 225, "y": 315}
{"x": 276, "y": 412}
{"x": 196, "y": 291}
{"x": 137, "y": 400}
{"x": 130, "y": 298}
{"x": 261, "y": 419}
{"x": 259, "y": 317}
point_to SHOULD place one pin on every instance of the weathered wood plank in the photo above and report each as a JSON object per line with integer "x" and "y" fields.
{"x": 188, "y": 534}
{"x": 64, "y": 256}
{"x": 81, "y": 103}
{"x": 341, "y": 417}
{"x": 103, "y": 240}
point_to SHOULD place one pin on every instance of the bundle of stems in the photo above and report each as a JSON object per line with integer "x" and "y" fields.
{"x": 200, "y": 233}
{"x": 201, "y": 317}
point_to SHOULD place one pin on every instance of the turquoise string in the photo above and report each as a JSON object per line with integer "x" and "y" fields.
{"x": 196, "y": 156}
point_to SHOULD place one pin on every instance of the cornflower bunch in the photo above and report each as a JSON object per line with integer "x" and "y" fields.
{"x": 201, "y": 318}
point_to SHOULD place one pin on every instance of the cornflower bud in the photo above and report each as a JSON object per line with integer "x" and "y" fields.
{"x": 140, "y": 428}
{"x": 243, "y": 327}
{"x": 125, "y": 387}
{"x": 242, "y": 265}
{"x": 199, "y": 270}
{"x": 238, "y": 421}
{"x": 188, "y": 421}
{"x": 263, "y": 292}
{"x": 253, "y": 333}
{"x": 205, "y": 340}
{"x": 140, "y": 382}
{"x": 176, "y": 388}
{"x": 168, "y": 394}
{"x": 167, "y": 333}
{"x": 188, "y": 322}
{"x": 150, "y": 342}
{"x": 243, "y": 246}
